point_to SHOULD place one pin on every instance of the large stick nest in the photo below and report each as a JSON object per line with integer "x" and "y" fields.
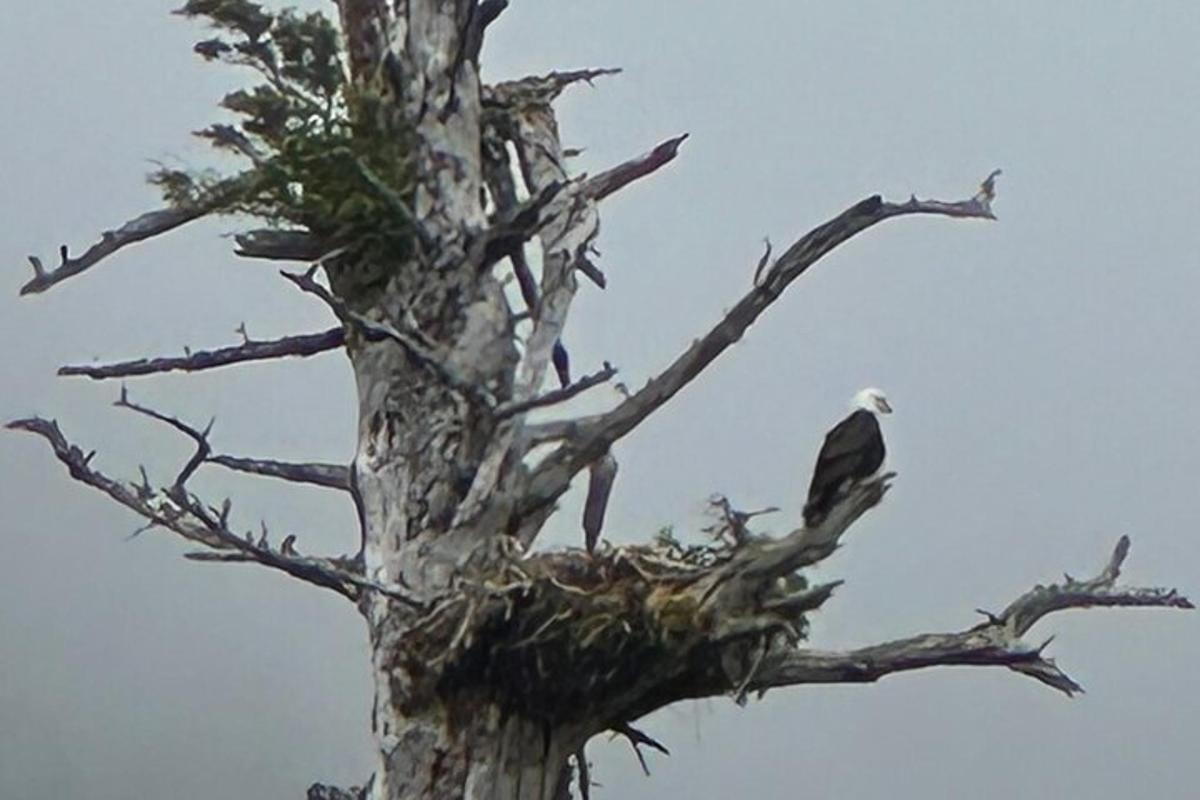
{"x": 566, "y": 635}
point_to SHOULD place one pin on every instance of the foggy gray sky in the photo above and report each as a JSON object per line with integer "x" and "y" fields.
{"x": 1043, "y": 369}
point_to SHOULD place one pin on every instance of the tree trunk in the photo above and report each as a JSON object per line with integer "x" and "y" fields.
{"x": 476, "y": 753}
{"x": 421, "y": 442}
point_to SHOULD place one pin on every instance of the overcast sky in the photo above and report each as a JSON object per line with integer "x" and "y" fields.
{"x": 1043, "y": 369}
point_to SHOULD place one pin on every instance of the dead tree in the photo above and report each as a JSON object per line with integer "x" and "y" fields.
{"x": 410, "y": 192}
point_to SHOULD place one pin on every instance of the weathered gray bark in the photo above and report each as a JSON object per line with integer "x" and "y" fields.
{"x": 494, "y": 666}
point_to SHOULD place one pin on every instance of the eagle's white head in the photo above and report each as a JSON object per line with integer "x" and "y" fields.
{"x": 873, "y": 400}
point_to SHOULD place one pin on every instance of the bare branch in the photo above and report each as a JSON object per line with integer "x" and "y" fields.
{"x": 732, "y": 526}
{"x": 507, "y": 235}
{"x": 622, "y": 175}
{"x": 585, "y": 775}
{"x": 302, "y": 345}
{"x": 421, "y": 353}
{"x": 558, "y": 395}
{"x": 542, "y": 88}
{"x": 193, "y": 522}
{"x": 807, "y": 546}
{"x": 514, "y": 226}
{"x": 320, "y": 791}
{"x": 637, "y": 739}
{"x": 203, "y": 450}
{"x": 566, "y": 240}
{"x": 554, "y": 475}
{"x": 498, "y": 174}
{"x": 144, "y": 227}
{"x": 139, "y": 229}
{"x": 603, "y": 474}
{"x": 1025, "y": 611}
{"x": 279, "y": 245}
{"x": 557, "y": 430}
{"x": 996, "y": 642}
{"x": 758, "y": 561}
{"x": 332, "y": 476}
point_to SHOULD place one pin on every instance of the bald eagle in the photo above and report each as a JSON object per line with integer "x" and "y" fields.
{"x": 853, "y": 451}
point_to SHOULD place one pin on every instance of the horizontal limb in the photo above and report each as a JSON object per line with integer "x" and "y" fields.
{"x": 332, "y": 476}
{"x": 302, "y": 345}
{"x": 554, "y": 474}
{"x": 279, "y": 245}
{"x": 996, "y": 642}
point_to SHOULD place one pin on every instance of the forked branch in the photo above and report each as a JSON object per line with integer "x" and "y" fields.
{"x": 554, "y": 475}
{"x": 177, "y": 510}
{"x": 996, "y": 642}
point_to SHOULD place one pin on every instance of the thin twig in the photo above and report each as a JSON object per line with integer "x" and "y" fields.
{"x": 637, "y": 738}
{"x": 555, "y": 396}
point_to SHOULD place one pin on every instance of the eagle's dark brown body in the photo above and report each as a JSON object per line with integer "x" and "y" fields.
{"x": 853, "y": 450}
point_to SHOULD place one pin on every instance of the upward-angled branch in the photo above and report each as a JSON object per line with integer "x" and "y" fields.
{"x": 622, "y": 175}
{"x": 178, "y": 490}
{"x": 303, "y": 345}
{"x": 554, "y": 475}
{"x": 139, "y": 229}
{"x": 560, "y": 395}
